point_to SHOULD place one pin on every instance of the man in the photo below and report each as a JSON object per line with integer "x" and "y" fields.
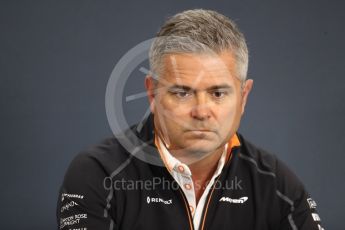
{"x": 212, "y": 177}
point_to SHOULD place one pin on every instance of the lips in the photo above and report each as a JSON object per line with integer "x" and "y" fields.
{"x": 201, "y": 130}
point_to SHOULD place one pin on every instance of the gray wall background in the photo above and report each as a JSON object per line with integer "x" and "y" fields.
{"x": 56, "y": 58}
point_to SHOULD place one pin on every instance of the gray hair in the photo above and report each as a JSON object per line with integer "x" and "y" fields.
{"x": 199, "y": 31}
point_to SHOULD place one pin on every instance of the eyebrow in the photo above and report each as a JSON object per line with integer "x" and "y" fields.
{"x": 187, "y": 88}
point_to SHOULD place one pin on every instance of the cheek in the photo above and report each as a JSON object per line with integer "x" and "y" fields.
{"x": 169, "y": 106}
{"x": 228, "y": 117}
{"x": 169, "y": 113}
{"x": 228, "y": 109}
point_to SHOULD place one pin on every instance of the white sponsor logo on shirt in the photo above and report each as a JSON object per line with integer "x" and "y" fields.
{"x": 234, "y": 201}
{"x": 67, "y": 195}
{"x": 315, "y": 216}
{"x": 68, "y": 205}
{"x": 157, "y": 200}
{"x": 312, "y": 203}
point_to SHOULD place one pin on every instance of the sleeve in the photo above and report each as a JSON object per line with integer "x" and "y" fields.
{"x": 84, "y": 203}
{"x": 298, "y": 208}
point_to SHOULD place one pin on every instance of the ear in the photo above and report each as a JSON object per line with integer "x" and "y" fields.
{"x": 246, "y": 90}
{"x": 150, "y": 90}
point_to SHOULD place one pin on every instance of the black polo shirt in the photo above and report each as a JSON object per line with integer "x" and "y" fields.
{"x": 106, "y": 188}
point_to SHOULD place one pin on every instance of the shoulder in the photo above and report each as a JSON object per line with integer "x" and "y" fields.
{"x": 267, "y": 164}
{"x": 107, "y": 155}
{"x": 261, "y": 160}
{"x": 91, "y": 168}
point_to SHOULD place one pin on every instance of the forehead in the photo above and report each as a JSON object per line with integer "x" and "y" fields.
{"x": 204, "y": 69}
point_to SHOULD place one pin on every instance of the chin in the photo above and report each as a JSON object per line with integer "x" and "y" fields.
{"x": 201, "y": 147}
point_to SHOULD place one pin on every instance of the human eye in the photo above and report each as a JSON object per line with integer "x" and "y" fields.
{"x": 219, "y": 94}
{"x": 181, "y": 94}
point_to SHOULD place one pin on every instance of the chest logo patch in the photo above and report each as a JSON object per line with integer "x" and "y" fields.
{"x": 157, "y": 200}
{"x": 234, "y": 201}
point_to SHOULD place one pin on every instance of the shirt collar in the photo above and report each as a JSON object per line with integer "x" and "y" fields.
{"x": 172, "y": 163}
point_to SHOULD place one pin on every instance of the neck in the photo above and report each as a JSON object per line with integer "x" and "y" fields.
{"x": 202, "y": 169}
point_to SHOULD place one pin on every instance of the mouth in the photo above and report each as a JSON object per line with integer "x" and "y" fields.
{"x": 199, "y": 132}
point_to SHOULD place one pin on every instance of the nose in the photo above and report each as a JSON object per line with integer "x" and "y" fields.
{"x": 201, "y": 108}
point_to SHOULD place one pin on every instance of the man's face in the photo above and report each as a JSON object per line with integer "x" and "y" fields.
{"x": 198, "y": 102}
